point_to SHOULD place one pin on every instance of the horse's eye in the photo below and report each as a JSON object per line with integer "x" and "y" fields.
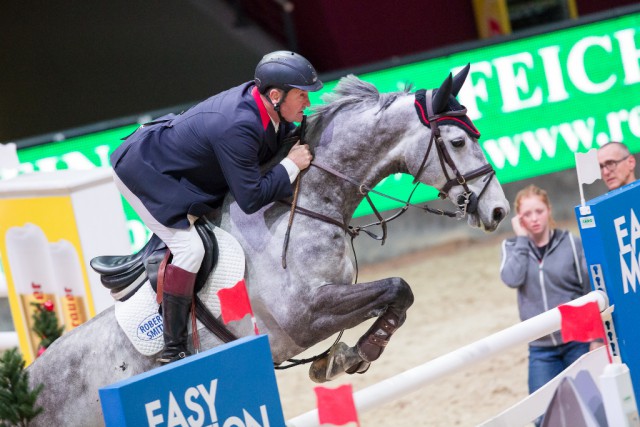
{"x": 458, "y": 142}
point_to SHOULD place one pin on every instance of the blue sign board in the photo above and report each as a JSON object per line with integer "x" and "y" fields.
{"x": 610, "y": 231}
{"x": 230, "y": 385}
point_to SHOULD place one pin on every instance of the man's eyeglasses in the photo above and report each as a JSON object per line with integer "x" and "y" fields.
{"x": 611, "y": 165}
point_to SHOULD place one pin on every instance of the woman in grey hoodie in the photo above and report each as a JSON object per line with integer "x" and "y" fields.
{"x": 547, "y": 267}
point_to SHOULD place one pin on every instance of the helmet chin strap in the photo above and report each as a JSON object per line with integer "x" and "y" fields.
{"x": 276, "y": 106}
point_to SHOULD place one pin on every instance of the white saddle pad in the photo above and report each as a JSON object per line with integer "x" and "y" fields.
{"x": 138, "y": 316}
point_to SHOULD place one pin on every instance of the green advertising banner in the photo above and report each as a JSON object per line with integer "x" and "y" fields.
{"x": 536, "y": 100}
{"x": 539, "y": 99}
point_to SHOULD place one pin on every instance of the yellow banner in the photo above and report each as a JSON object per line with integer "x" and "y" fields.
{"x": 41, "y": 253}
{"x": 492, "y": 18}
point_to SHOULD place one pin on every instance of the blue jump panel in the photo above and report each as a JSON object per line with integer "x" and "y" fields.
{"x": 610, "y": 230}
{"x": 233, "y": 384}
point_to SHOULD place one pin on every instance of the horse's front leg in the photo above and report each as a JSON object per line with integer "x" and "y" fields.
{"x": 339, "y": 307}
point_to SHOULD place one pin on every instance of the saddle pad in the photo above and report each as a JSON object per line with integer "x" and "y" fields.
{"x": 138, "y": 316}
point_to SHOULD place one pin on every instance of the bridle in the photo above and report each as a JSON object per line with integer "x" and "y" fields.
{"x": 467, "y": 201}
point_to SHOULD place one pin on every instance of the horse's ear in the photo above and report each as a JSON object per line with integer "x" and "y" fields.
{"x": 459, "y": 79}
{"x": 440, "y": 101}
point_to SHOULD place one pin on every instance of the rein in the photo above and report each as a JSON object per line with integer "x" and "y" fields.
{"x": 355, "y": 231}
{"x": 351, "y": 231}
{"x": 303, "y": 128}
{"x": 467, "y": 202}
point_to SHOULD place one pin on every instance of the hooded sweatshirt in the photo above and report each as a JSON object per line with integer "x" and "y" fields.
{"x": 545, "y": 279}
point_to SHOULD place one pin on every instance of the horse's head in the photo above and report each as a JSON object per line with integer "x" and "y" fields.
{"x": 453, "y": 161}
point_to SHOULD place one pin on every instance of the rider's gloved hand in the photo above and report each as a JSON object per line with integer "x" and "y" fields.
{"x": 300, "y": 155}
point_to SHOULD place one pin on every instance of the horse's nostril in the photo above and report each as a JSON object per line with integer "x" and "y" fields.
{"x": 498, "y": 214}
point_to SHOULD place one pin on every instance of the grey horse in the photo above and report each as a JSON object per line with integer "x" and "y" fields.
{"x": 358, "y": 137}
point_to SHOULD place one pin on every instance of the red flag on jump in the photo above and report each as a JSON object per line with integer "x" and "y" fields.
{"x": 234, "y": 302}
{"x": 581, "y": 323}
{"x": 335, "y": 406}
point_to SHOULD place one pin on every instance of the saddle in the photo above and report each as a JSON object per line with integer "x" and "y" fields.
{"x": 133, "y": 282}
{"x": 123, "y": 275}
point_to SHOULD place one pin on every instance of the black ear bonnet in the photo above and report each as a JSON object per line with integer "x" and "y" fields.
{"x": 461, "y": 121}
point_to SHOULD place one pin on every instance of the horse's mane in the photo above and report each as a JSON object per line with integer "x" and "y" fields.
{"x": 351, "y": 92}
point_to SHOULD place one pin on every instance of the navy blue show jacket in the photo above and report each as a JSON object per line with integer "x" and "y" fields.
{"x": 185, "y": 164}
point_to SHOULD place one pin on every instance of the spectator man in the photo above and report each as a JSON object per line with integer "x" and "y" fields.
{"x": 617, "y": 165}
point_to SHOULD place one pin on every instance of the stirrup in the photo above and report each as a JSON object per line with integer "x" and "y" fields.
{"x": 168, "y": 359}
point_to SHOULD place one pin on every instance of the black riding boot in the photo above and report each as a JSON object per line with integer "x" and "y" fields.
{"x": 176, "y": 303}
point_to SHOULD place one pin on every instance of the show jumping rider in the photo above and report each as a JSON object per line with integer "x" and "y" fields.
{"x": 180, "y": 167}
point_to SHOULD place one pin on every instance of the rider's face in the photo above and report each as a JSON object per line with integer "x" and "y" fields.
{"x": 296, "y": 101}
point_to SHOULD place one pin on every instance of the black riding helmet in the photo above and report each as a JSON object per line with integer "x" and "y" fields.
{"x": 286, "y": 70}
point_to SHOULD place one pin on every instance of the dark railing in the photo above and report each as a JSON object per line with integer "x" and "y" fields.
{"x": 326, "y": 77}
{"x": 274, "y": 15}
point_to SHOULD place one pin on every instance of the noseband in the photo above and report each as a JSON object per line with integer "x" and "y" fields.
{"x": 468, "y": 200}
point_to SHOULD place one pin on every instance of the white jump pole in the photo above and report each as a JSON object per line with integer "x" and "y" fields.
{"x": 413, "y": 379}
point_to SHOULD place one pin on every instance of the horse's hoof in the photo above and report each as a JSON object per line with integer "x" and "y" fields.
{"x": 360, "y": 368}
{"x": 326, "y": 369}
{"x": 318, "y": 371}
{"x": 340, "y": 358}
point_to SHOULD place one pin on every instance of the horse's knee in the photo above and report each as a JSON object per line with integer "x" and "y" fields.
{"x": 371, "y": 345}
{"x": 402, "y": 294}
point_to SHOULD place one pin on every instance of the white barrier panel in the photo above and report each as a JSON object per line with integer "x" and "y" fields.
{"x": 416, "y": 378}
{"x": 536, "y": 404}
{"x": 8, "y": 340}
{"x": 80, "y": 207}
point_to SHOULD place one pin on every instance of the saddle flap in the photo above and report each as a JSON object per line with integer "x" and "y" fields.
{"x": 109, "y": 265}
{"x": 119, "y": 272}
{"x": 137, "y": 314}
{"x": 206, "y": 231}
{"x": 116, "y": 281}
